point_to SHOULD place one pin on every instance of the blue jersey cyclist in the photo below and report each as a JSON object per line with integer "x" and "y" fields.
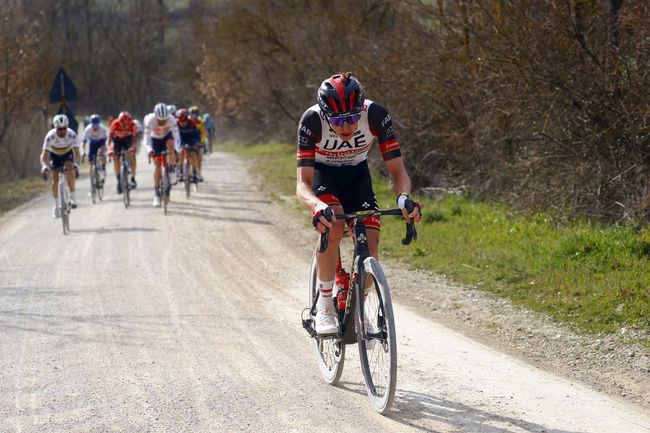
{"x": 334, "y": 137}
{"x": 190, "y": 136}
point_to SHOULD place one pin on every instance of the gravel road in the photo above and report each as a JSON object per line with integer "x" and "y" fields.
{"x": 140, "y": 322}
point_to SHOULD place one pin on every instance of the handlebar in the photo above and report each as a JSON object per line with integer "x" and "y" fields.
{"x": 411, "y": 232}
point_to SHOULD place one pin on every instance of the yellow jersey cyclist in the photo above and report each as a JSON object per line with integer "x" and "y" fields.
{"x": 60, "y": 148}
{"x": 334, "y": 137}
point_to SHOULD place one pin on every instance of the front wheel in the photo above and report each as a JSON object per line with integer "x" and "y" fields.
{"x": 165, "y": 187}
{"x": 124, "y": 181}
{"x": 330, "y": 352}
{"x": 64, "y": 211}
{"x": 186, "y": 176}
{"x": 376, "y": 336}
{"x": 93, "y": 183}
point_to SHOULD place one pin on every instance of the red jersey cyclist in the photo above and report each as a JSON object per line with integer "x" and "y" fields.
{"x": 160, "y": 136}
{"x": 60, "y": 148}
{"x": 334, "y": 137}
{"x": 121, "y": 136}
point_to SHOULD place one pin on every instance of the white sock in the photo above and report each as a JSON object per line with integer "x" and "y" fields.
{"x": 325, "y": 298}
{"x": 56, "y": 201}
{"x": 72, "y": 195}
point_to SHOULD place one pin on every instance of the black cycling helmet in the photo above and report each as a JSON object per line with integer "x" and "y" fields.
{"x": 340, "y": 95}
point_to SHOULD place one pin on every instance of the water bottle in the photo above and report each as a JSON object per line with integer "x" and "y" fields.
{"x": 343, "y": 284}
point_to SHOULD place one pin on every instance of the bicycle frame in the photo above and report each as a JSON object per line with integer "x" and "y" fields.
{"x": 347, "y": 330}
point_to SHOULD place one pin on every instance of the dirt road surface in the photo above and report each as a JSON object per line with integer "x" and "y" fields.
{"x": 190, "y": 322}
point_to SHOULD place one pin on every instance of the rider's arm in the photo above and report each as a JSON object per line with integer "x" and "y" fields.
{"x": 175, "y": 134}
{"x": 44, "y": 157}
{"x": 309, "y": 131}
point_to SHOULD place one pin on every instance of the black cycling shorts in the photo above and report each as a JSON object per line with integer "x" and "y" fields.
{"x": 348, "y": 186}
{"x": 57, "y": 161}
{"x": 122, "y": 143}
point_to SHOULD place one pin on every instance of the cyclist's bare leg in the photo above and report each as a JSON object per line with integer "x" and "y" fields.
{"x": 157, "y": 172}
{"x": 55, "y": 184}
{"x": 328, "y": 260}
{"x": 171, "y": 155}
{"x": 133, "y": 161}
{"x": 69, "y": 175}
{"x": 195, "y": 161}
{"x": 116, "y": 164}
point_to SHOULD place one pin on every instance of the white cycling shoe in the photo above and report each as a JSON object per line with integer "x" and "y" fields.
{"x": 326, "y": 322}
{"x": 73, "y": 203}
{"x": 55, "y": 212}
{"x": 156, "y": 201}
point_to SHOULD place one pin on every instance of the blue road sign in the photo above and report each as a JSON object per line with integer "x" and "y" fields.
{"x": 62, "y": 88}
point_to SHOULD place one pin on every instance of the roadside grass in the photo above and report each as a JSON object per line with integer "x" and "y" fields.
{"x": 14, "y": 193}
{"x": 593, "y": 276}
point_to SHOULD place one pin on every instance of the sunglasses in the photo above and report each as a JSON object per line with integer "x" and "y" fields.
{"x": 340, "y": 121}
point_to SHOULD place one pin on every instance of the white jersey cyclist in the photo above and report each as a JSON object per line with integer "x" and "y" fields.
{"x": 92, "y": 134}
{"x": 60, "y": 145}
{"x": 155, "y": 129}
{"x": 318, "y": 143}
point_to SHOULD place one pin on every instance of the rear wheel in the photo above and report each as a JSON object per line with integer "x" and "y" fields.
{"x": 330, "y": 352}
{"x": 376, "y": 336}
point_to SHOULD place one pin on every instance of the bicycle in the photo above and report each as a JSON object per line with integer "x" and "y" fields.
{"x": 165, "y": 183}
{"x": 96, "y": 183}
{"x": 64, "y": 206}
{"x": 366, "y": 319}
{"x": 125, "y": 171}
{"x": 189, "y": 173}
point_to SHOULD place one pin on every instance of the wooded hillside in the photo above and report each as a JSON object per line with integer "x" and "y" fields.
{"x": 543, "y": 104}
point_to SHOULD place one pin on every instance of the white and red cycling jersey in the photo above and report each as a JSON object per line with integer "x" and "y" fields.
{"x": 318, "y": 143}
{"x": 119, "y": 131}
{"x": 159, "y": 130}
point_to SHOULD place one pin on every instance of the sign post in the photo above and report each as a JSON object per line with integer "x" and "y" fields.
{"x": 63, "y": 89}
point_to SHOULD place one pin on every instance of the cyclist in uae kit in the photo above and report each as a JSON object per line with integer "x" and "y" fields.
{"x": 191, "y": 136}
{"x": 121, "y": 135}
{"x": 60, "y": 148}
{"x": 334, "y": 137}
{"x": 94, "y": 141}
{"x": 160, "y": 136}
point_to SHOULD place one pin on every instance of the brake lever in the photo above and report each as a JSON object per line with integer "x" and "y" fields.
{"x": 411, "y": 233}
{"x": 324, "y": 237}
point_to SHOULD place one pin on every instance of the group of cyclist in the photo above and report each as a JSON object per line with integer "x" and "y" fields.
{"x": 334, "y": 137}
{"x": 164, "y": 132}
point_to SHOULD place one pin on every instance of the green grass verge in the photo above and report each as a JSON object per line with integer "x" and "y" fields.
{"x": 592, "y": 276}
{"x": 16, "y": 192}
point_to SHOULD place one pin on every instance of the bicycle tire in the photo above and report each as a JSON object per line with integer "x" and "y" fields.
{"x": 376, "y": 337}
{"x": 164, "y": 189}
{"x": 124, "y": 181}
{"x": 93, "y": 183}
{"x": 330, "y": 352}
{"x": 186, "y": 176}
{"x": 63, "y": 208}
